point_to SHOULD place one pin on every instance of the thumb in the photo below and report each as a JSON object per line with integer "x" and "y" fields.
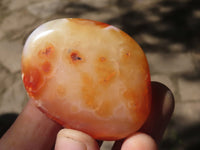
{"x": 68, "y": 139}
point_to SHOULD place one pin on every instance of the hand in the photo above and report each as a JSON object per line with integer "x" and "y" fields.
{"x": 34, "y": 131}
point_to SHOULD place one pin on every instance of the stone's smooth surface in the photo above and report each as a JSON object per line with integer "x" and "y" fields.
{"x": 169, "y": 64}
{"x": 10, "y": 55}
{"x": 107, "y": 145}
{"x": 196, "y": 58}
{"x": 8, "y": 104}
{"x": 98, "y": 4}
{"x": 44, "y": 9}
{"x": 20, "y": 4}
{"x": 187, "y": 111}
{"x": 88, "y": 76}
{"x": 104, "y": 16}
{"x": 15, "y": 22}
{"x": 6, "y": 81}
{"x": 177, "y": 47}
{"x": 189, "y": 89}
{"x": 149, "y": 39}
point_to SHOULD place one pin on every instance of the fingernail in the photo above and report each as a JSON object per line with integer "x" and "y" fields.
{"x": 65, "y": 143}
{"x": 168, "y": 104}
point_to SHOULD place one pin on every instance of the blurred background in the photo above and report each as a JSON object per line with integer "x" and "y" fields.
{"x": 167, "y": 30}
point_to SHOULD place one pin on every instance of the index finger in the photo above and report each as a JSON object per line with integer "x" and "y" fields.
{"x": 161, "y": 112}
{"x": 32, "y": 130}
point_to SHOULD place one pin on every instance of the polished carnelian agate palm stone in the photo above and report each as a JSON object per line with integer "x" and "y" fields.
{"x": 88, "y": 76}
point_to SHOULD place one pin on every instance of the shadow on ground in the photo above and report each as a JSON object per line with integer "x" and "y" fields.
{"x": 6, "y": 120}
{"x": 173, "y": 24}
{"x": 186, "y": 139}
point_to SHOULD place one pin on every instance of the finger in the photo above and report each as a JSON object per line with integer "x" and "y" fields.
{"x": 139, "y": 141}
{"x": 161, "y": 111}
{"x": 32, "y": 130}
{"x": 68, "y": 139}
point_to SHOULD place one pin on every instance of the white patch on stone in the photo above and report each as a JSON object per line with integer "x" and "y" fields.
{"x": 112, "y": 28}
{"x": 43, "y": 34}
{"x": 22, "y": 76}
{"x": 43, "y": 30}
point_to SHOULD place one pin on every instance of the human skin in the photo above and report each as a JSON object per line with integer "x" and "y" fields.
{"x": 32, "y": 130}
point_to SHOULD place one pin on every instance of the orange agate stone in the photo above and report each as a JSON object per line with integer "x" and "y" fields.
{"x": 88, "y": 76}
